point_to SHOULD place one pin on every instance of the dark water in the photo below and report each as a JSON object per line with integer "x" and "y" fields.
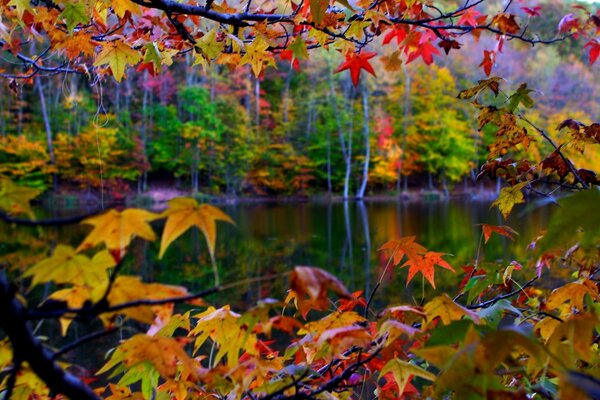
{"x": 342, "y": 238}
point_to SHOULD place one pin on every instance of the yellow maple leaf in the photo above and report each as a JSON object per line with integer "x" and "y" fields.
{"x": 402, "y": 372}
{"x": 21, "y": 6}
{"x": 183, "y": 213}
{"x": 131, "y": 288}
{"x": 116, "y": 229}
{"x": 15, "y": 199}
{"x": 447, "y": 310}
{"x": 223, "y": 327}
{"x": 66, "y": 266}
{"x": 122, "y": 6}
{"x": 74, "y": 297}
{"x": 210, "y": 47}
{"x": 509, "y": 196}
{"x": 257, "y": 55}
{"x": 573, "y": 293}
{"x": 117, "y": 55}
{"x": 164, "y": 353}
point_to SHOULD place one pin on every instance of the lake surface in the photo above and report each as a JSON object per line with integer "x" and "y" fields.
{"x": 271, "y": 238}
{"x": 341, "y": 237}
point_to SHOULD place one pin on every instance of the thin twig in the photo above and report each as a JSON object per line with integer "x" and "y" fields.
{"x": 493, "y": 301}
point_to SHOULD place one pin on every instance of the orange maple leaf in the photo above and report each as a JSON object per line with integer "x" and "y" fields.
{"x": 425, "y": 265}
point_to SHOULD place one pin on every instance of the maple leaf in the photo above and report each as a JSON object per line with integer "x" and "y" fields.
{"x": 398, "y": 33}
{"x": 314, "y": 283}
{"x": 74, "y": 297}
{"x": 403, "y": 371}
{"x": 318, "y": 9}
{"x": 183, "y": 213}
{"x": 568, "y": 23}
{"x": 116, "y": 229}
{"x": 403, "y": 246}
{"x": 509, "y": 196}
{"x": 392, "y": 62}
{"x": 470, "y": 17}
{"x": 489, "y": 58}
{"x": 492, "y": 84}
{"x": 165, "y": 354}
{"x": 594, "y": 46}
{"x": 74, "y": 13}
{"x": 506, "y": 23}
{"x": 117, "y": 55}
{"x": 342, "y": 338}
{"x": 444, "y": 308}
{"x": 448, "y": 45}
{"x": 577, "y": 333}
{"x": 573, "y": 293}
{"x": 66, "y": 266}
{"x": 426, "y": 266}
{"x": 76, "y": 44}
{"x": 426, "y": 50}
{"x": 131, "y": 288}
{"x": 503, "y": 230}
{"x": 224, "y": 328}
{"x": 14, "y": 199}
{"x": 532, "y": 11}
{"x": 556, "y": 163}
{"x": 210, "y": 47}
{"x": 21, "y": 6}
{"x": 121, "y": 7}
{"x": 257, "y": 56}
{"x": 355, "y": 62}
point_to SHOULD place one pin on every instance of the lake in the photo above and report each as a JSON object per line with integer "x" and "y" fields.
{"x": 271, "y": 238}
{"x": 341, "y": 237}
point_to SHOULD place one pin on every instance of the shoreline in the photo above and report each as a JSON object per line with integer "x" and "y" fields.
{"x": 160, "y": 196}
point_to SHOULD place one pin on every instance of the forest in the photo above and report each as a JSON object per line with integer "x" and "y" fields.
{"x": 299, "y": 199}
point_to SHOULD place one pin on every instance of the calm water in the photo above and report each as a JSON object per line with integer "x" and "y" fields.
{"x": 342, "y": 238}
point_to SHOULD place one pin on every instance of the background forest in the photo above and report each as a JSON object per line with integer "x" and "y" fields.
{"x": 299, "y": 129}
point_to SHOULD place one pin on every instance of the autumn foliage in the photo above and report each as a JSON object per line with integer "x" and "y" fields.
{"x": 507, "y": 331}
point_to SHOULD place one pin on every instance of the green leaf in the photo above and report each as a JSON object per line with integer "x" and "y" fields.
{"x": 449, "y": 334}
{"x": 521, "y": 96}
{"x": 74, "y": 14}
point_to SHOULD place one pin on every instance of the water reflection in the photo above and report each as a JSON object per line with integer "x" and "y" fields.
{"x": 341, "y": 237}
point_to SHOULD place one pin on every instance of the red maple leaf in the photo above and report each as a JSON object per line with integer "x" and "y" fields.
{"x": 532, "y": 11}
{"x": 355, "y": 62}
{"x": 568, "y": 23}
{"x": 489, "y": 57}
{"x": 594, "y": 46}
{"x": 398, "y": 33}
{"x": 470, "y": 17}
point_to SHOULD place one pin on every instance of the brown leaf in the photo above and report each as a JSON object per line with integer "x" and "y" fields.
{"x": 503, "y": 230}
{"x": 314, "y": 283}
{"x": 506, "y": 23}
{"x": 555, "y": 163}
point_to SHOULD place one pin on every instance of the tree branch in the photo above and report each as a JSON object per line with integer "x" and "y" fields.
{"x": 496, "y": 299}
{"x": 14, "y": 322}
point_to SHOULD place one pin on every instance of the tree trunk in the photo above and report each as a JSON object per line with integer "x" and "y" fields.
{"x": 38, "y": 85}
{"x": 345, "y": 147}
{"x": 405, "y": 121}
{"x": 366, "y": 134}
